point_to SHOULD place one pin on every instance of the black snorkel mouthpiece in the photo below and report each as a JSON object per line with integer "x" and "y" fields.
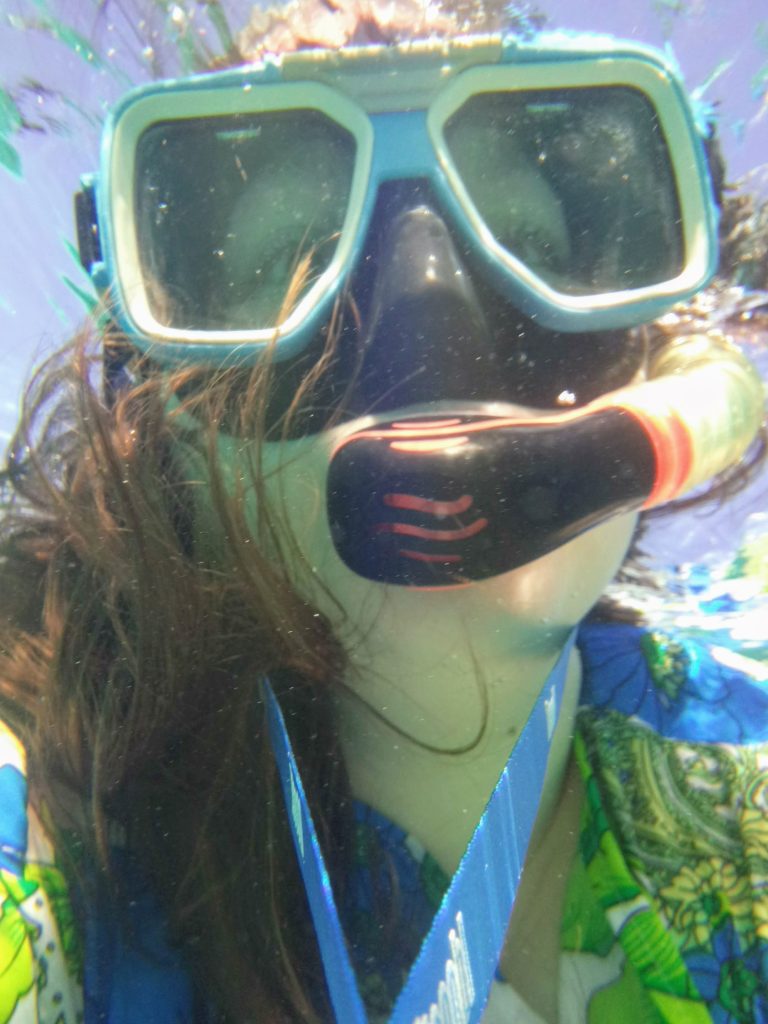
{"x": 440, "y": 502}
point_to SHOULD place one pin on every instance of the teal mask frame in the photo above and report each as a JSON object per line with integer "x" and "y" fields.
{"x": 395, "y": 102}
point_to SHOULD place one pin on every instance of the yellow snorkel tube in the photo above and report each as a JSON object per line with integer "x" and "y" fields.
{"x": 701, "y": 409}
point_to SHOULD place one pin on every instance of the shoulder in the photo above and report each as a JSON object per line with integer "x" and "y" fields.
{"x": 40, "y": 959}
{"x": 682, "y": 688}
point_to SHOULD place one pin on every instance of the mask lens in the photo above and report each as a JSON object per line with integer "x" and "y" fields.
{"x": 237, "y": 216}
{"x": 576, "y": 183}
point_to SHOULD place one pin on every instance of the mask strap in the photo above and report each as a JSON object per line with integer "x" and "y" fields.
{"x": 451, "y": 977}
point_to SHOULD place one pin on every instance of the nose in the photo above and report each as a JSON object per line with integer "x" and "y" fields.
{"x": 426, "y": 337}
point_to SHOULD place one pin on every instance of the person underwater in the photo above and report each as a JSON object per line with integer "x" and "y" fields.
{"x": 292, "y": 664}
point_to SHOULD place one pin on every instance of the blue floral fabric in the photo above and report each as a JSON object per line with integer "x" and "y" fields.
{"x": 677, "y": 686}
{"x": 390, "y": 900}
{"x": 672, "y": 744}
{"x": 40, "y": 951}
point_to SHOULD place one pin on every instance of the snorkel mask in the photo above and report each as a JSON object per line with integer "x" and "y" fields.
{"x": 232, "y": 216}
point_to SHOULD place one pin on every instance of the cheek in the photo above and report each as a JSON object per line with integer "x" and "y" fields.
{"x": 296, "y": 489}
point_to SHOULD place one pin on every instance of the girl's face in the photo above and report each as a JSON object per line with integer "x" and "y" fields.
{"x": 431, "y": 335}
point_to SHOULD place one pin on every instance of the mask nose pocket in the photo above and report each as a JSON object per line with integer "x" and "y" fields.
{"x": 428, "y": 338}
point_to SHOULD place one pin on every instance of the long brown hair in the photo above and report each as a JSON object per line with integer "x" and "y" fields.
{"x": 133, "y": 645}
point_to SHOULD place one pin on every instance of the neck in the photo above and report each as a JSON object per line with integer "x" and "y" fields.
{"x": 426, "y": 739}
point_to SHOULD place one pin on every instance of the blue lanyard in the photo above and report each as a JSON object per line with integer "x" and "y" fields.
{"x": 451, "y": 978}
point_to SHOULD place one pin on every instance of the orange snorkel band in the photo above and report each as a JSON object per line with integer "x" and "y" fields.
{"x": 701, "y": 410}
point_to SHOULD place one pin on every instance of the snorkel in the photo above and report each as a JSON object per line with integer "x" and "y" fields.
{"x": 435, "y": 501}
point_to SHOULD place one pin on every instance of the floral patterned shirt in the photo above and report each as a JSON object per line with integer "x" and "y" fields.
{"x": 673, "y": 871}
{"x": 666, "y": 911}
{"x": 40, "y": 951}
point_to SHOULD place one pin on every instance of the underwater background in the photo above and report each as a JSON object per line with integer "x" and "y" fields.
{"x": 62, "y": 64}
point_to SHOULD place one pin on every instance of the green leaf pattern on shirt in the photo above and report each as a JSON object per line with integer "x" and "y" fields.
{"x": 40, "y": 952}
{"x": 674, "y": 868}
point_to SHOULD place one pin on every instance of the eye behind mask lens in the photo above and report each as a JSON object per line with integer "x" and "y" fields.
{"x": 232, "y": 228}
{"x": 576, "y": 183}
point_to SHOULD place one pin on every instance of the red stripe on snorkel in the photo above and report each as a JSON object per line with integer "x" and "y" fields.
{"x": 673, "y": 452}
{"x": 426, "y": 424}
{"x": 438, "y": 435}
{"x": 421, "y": 556}
{"x": 458, "y": 432}
{"x": 428, "y": 445}
{"x": 410, "y": 530}
{"x": 439, "y": 509}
